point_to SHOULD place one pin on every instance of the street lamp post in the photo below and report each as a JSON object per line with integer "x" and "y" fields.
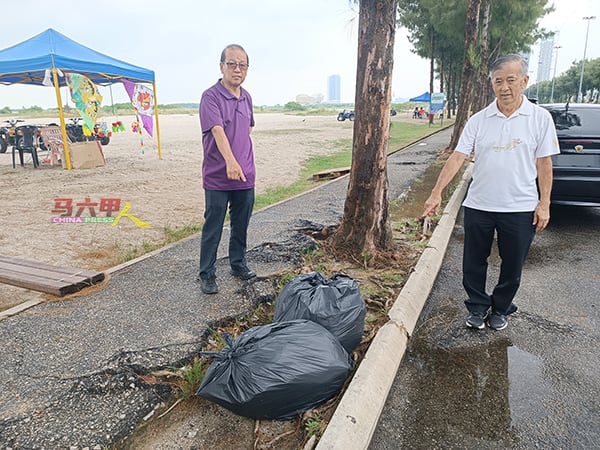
{"x": 529, "y": 74}
{"x": 537, "y": 83}
{"x": 556, "y": 47}
{"x": 580, "y": 94}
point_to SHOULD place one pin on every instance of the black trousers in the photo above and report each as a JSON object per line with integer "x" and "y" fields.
{"x": 240, "y": 205}
{"x": 515, "y": 233}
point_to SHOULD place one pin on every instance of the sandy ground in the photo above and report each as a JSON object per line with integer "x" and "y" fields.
{"x": 163, "y": 192}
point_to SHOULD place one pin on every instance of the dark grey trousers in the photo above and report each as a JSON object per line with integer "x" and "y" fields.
{"x": 515, "y": 233}
{"x": 240, "y": 205}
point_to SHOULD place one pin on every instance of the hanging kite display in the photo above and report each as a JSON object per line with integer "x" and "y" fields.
{"x": 86, "y": 98}
{"x": 142, "y": 100}
{"x": 118, "y": 126}
{"x": 136, "y": 127}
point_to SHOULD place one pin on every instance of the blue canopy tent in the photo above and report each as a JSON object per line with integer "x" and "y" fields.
{"x": 29, "y": 61}
{"x": 424, "y": 97}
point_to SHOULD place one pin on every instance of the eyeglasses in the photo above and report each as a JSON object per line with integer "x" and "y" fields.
{"x": 233, "y": 65}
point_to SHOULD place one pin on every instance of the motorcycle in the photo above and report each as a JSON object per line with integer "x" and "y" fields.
{"x": 7, "y": 134}
{"x": 350, "y": 115}
{"x": 3, "y": 139}
{"x": 345, "y": 115}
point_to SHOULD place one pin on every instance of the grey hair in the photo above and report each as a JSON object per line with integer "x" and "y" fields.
{"x": 512, "y": 57}
{"x": 234, "y": 47}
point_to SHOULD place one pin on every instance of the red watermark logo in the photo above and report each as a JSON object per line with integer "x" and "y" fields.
{"x": 85, "y": 211}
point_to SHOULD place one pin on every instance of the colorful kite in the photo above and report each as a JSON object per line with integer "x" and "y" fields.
{"x": 86, "y": 98}
{"x": 142, "y": 100}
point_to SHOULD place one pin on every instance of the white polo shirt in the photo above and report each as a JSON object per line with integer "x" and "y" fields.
{"x": 506, "y": 149}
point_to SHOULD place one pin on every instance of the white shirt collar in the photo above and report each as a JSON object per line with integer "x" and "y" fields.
{"x": 525, "y": 109}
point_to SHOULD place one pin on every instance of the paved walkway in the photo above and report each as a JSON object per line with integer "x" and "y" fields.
{"x": 69, "y": 368}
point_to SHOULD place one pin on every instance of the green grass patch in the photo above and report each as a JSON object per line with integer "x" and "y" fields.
{"x": 401, "y": 135}
{"x": 176, "y": 234}
{"x": 171, "y": 235}
{"x": 191, "y": 377}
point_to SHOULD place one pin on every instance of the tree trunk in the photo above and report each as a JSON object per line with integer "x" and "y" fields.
{"x": 449, "y": 90}
{"x": 365, "y": 230}
{"x": 431, "y": 70}
{"x": 442, "y": 72}
{"x": 468, "y": 71}
{"x": 482, "y": 97}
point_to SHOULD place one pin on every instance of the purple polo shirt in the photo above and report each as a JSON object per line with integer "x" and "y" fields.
{"x": 220, "y": 107}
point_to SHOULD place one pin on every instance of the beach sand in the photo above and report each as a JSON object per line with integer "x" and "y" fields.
{"x": 163, "y": 192}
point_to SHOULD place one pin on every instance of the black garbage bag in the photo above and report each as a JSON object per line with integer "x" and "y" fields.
{"x": 276, "y": 371}
{"x": 335, "y": 303}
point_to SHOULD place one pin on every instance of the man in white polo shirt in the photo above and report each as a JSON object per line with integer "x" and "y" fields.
{"x": 513, "y": 141}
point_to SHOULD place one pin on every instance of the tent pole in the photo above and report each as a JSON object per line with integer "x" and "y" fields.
{"x": 112, "y": 102}
{"x": 61, "y": 114}
{"x": 156, "y": 116}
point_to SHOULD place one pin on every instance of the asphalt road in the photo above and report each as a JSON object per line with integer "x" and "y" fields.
{"x": 535, "y": 384}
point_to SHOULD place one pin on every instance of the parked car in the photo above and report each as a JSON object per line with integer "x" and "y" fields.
{"x": 576, "y": 169}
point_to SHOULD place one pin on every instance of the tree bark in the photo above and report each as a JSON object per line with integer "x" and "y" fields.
{"x": 450, "y": 90}
{"x": 442, "y": 73}
{"x": 431, "y": 70}
{"x": 468, "y": 71}
{"x": 365, "y": 230}
{"x": 482, "y": 92}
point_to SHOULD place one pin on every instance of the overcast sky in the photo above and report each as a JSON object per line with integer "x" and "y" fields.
{"x": 294, "y": 45}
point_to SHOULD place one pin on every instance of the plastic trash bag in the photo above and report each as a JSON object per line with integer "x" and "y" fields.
{"x": 276, "y": 371}
{"x": 334, "y": 303}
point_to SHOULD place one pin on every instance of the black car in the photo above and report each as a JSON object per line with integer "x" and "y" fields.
{"x": 577, "y": 168}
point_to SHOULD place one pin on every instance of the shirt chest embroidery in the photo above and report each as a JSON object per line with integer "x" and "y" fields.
{"x": 508, "y": 146}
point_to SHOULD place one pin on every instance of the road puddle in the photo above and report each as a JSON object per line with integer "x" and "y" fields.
{"x": 482, "y": 391}
{"x": 410, "y": 204}
{"x": 527, "y": 386}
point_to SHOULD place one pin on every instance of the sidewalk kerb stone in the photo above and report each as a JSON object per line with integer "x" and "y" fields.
{"x": 352, "y": 424}
{"x": 19, "y": 308}
{"x": 407, "y": 307}
{"x": 355, "y": 419}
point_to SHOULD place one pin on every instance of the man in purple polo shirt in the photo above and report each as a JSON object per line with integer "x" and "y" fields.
{"x": 228, "y": 171}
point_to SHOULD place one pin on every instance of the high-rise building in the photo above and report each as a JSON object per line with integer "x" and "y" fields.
{"x": 333, "y": 89}
{"x": 545, "y": 60}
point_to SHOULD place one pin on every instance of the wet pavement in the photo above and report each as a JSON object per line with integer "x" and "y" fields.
{"x": 71, "y": 370}
{"x": 535, "y": 384}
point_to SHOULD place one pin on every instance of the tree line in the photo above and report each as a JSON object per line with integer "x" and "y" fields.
{"x": 460, "y": 38}
{"x": 565, "y": 86}
{"x": 458, "y": 33}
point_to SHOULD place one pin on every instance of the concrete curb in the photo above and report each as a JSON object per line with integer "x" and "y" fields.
{"x": 356, "y": 417}
{"x": 19, "y": 308}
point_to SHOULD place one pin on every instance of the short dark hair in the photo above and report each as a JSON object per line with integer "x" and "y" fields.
{"x": 512, "y": 57}
{"x": 232, "y": 47}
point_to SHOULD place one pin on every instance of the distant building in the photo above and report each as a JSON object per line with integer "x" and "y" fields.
{"x": 305, "y": 99}
{"x": 333, "y": 89}
{"x": 527, "y": 57}
{"x": 545, "y": 60}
